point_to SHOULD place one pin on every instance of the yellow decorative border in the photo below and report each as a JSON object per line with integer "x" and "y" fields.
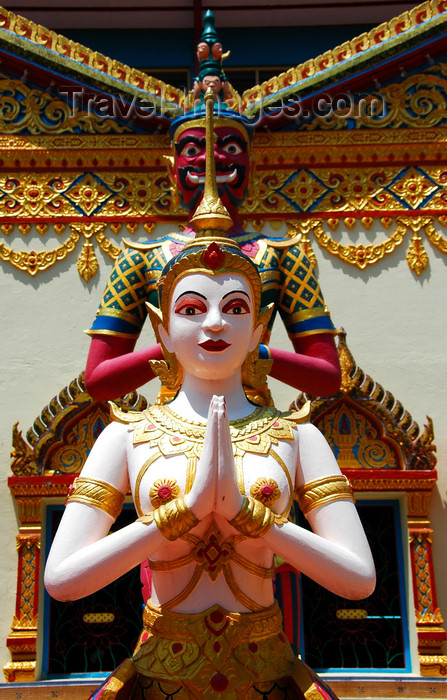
{"x": 28, "y": 109}
{"x": 377, "y": 41}
{"x": 33, "y": 262}
{"x": 67, "y": 51}
{"x": 300, "y": 233}
{"x": 363, "y": 256}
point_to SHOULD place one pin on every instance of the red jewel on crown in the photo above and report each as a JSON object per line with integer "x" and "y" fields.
{"x": 213, "y": 256}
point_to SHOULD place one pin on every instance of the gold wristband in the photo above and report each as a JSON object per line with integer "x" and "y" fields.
{"x": 325, "y": 490}
{"x": 96, "y": 493}
{"x": 254, "y": 518}
{"x": 173, "y": 519}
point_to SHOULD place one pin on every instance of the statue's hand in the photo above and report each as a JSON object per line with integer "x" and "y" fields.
{"x": 228, "y": 497}
{"x": 202, "y": 496}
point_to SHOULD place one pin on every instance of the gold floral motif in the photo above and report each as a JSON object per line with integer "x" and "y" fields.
{"x": 265, "y": 490}
{"x": 264, "y": 189}
{"x": 359, "y": 255}
{"x": 417, "y": 257}
{"x": 339, "y": 189}
{"x": 87, "y": 262}
{"x": 32, "y": 195}
{"x": 33, "y": 262}
{"x": 162, "y": 491}
{"x": 414, "y": 187}
{"x": 436, "y": 238}
{"x": 88, "y": 194}
{"x": 304, "y": 189}
{"x": 137, "y": 194}
{"x": 24, "y": 109}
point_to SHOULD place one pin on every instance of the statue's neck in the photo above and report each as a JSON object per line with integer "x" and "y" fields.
{"x": 193, "y": 399}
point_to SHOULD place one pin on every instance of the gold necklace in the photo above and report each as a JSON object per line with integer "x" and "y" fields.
{"x": 171, "y": 434}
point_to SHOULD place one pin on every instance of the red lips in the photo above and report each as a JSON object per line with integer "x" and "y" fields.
{"x": 214, "y": 345}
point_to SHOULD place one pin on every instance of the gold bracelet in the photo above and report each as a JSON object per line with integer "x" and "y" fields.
{"x": 254, "y": 518}
{"x": 325, "y": 490}
{"x": 96, "y": 493}
{"x": 173, "y": 519}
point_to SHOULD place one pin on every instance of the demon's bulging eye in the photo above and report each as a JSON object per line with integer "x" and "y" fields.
{"x": 190, "y": 150}
{"x": 232, "y": 148}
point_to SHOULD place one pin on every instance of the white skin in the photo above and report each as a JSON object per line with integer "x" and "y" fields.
{"x": 217, "y": 311}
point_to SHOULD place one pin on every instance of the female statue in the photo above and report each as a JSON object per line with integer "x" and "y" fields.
{"x": 213, "y": 480}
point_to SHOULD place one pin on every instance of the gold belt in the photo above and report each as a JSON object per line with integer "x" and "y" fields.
{"x": 214, "y": 651}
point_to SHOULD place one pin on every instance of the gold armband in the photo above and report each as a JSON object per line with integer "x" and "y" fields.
{"x": 173, "y": 519}
{"x": 96, "y": 493}
{"x": 320, "y": 491}
{"x": 254, "y": 518}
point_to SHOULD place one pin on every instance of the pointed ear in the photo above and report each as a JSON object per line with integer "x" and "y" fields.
{"x": 164, "y": 338}
{"x": 156, "y": 319}
{"x": 256, "y": 337}
{"x": 169, "y": 160}
{"x": 170, "y": 163}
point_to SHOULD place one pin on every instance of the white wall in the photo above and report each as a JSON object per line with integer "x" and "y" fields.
{"x": 396, "y": 332}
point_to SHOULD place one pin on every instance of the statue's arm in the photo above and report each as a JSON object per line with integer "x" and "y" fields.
{"x": 336, "y": 554}
{"x": 113, "y": 369}
{"x": 314, "y": 366}
{"x": 84, "y": 557}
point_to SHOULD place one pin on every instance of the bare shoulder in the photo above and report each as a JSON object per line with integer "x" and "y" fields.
{"x": 315, "y": 456}
{"x": 308, "y": 432}
{"x": 107, "y": 460}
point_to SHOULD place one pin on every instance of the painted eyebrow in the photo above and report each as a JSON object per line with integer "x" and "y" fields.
{"x": 190, "y": 139}
{"x": 236, "y": 291}
{"x": 223, "y": 140}
{"x": 191, "y": 292}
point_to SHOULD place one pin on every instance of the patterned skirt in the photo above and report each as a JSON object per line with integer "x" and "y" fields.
{"x": 213, "y": 655}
